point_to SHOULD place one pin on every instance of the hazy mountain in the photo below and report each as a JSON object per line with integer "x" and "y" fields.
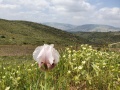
{"x": 61, "y": 26}
{"x": 94, "y": 28}
{"x": 82, "y": 28}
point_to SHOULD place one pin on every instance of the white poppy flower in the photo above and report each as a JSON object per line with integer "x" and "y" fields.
{"x": 46, "y": 55}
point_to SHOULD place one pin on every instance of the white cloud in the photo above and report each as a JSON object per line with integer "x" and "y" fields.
{"x": 110, "y": 16}
{"x": 110, "y": 13}
{"x": 72, "y": 5}
{"x": 72, "y": 11}
{"x": 7, "y": 6}
{"x": 27, "y": 4}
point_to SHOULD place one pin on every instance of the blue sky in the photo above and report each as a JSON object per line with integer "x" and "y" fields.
{"x": 77, "y": 12}
{"x": 105, "y": 3}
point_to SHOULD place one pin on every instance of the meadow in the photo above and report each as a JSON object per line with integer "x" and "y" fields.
{"x": 81, "y": 68}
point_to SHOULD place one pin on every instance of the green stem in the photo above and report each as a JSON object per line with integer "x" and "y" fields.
{"x": 46, "y": 80}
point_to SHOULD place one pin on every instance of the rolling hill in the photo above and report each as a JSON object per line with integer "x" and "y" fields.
{"x": 31, "y": 33}
{"x": 24, "y": 32}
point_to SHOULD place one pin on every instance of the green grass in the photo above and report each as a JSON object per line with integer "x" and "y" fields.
{"x": 79, "y": 69}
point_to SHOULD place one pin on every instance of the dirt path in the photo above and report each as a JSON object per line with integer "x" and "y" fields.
{"x": 16, "y": 50}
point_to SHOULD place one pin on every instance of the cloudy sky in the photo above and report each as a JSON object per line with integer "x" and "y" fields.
{"x": 75, "y": 12}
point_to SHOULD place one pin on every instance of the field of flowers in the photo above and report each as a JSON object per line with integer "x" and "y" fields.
{"x": 81, "y": 69}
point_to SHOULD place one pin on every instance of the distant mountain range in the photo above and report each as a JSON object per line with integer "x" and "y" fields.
{"x": 83, "y": 28}
{"x": 61, "y": 26}
{"x": 95, "y": 28}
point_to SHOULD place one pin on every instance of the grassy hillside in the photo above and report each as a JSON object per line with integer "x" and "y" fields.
{"x": 24, "y": 32}
{"x": 100, "y": 38}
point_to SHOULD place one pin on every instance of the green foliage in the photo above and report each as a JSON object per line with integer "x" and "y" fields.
{"x": 82, "y": 68}
{"x": 100, "y": 38}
